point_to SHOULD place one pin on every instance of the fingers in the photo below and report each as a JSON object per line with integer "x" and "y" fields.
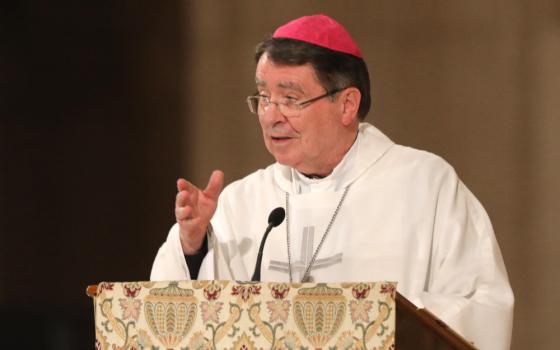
{"x": 183, "y": 213}
{"x": 215, "y": 184}
{"x": 181, "y": 185}
{"x": 188, "y": 205}
{"x": 184, "y": 185}
{"x": 186, "y": 200}
{"x": 185, "y": 205}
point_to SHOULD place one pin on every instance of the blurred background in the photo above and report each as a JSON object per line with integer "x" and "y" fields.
{"x": 103, "y": 105}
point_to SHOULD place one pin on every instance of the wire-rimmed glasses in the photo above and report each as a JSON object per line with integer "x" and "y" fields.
{"x": 258, "y": 104}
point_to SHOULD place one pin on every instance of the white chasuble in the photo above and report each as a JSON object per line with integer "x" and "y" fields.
{"x": 309, "y": 215}
{"x": 406, "y": 218}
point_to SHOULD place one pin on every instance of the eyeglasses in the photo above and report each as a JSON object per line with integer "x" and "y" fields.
{"x": 289, "y": 107}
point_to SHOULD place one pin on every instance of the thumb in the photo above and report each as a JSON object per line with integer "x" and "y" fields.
{"x": 215, "y": 184}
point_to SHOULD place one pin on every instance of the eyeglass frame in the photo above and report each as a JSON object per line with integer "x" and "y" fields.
{"x": 299, "y": 105}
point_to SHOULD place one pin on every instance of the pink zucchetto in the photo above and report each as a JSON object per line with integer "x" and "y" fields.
{"x": 320, "y": 30}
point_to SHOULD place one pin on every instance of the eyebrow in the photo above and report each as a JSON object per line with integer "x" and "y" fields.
{"x": 283, "y": 85}
{"x": 291, "y": 85}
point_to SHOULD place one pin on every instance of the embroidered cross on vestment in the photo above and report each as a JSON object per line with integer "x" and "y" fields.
{"x": 306, "y": 253}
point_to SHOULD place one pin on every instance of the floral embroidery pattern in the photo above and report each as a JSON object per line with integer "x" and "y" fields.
{"x": 346, "y": 341}
{"x": 104, "y": 286}
{"x": 209, "y": 315}
{"x": 199, "y": 342}
{"x": 278, "y": 310}
{"x": 212, "y": 291}
{"x": 144, "y": 341}
{"x": 389, "y": 288}
{"x": 246, "y": 291}
{"x": 359, "y": 310}
{"x": 290, "y": 342}
{"x": 210, "y": 311}
{"x": 131, "y": 290}
{"x": 130, "y": 308}
{"x": 280, "y": 290}
{"x": 361, "y": 290}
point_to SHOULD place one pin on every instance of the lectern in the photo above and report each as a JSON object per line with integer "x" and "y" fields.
{"x": 257, "y": 315}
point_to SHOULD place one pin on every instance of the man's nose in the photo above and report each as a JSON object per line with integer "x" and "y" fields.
{"x": 273, "y": 113}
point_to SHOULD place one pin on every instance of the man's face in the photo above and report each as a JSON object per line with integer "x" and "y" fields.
{"x": 309, "y": 142}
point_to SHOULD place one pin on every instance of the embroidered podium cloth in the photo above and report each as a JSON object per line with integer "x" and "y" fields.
{"x": 244, "y": 315}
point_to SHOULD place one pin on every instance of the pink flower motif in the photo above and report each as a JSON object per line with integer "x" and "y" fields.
{"x": 131, "y": 308}
{"x": 131, "y": 290}
{"x": 246, "y": 291}
{"x": 210, "y": 311}
{"x": 388, "y": 288}
{"x": 278, "y": 310}
{"x": 359, "y": 310}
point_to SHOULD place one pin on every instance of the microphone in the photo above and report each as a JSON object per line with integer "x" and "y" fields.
{"x": 274, "y": 219}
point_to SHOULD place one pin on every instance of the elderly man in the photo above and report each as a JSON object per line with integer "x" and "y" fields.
{"x": 358, "y": 206}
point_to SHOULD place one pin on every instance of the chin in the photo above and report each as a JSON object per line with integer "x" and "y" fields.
{"x": 285, "y": 160}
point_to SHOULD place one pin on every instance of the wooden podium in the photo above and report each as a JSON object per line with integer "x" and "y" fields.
{"x": 247, "y": 315}
{"x": 420, "y": 329}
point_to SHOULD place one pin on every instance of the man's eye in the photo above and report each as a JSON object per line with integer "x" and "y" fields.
{"x": 290, "y": 100}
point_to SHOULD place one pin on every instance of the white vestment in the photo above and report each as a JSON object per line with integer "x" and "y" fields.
{"x": 406, "y": 218}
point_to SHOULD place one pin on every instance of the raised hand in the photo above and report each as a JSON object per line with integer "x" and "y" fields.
{"x": 194, "y": 208}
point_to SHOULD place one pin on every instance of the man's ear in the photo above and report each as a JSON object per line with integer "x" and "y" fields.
{"x": 350, "y": 103}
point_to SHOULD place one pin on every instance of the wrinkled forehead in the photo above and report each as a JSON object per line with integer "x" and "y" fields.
{"x": 300, "y": 78}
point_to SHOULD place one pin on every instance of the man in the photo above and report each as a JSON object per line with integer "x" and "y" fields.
{"x": 358, "y": 206}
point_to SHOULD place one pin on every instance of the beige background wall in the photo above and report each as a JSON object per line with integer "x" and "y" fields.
{"x": 476, "y": 82}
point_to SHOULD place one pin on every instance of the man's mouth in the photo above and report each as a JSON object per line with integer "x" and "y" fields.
{"x": 280, "y": 140}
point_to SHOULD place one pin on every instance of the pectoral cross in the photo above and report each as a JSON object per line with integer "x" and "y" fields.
{"x": 306, "y": 254}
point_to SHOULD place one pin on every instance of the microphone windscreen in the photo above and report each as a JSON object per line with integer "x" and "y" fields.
{"x": 276, "y": 216}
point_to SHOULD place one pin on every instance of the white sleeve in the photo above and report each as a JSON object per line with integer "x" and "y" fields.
{"x": 468, "y": 286}
{"x": 170, "y": 261}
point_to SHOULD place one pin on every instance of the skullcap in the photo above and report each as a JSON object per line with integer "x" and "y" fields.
{"x": 319, "y": 30}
